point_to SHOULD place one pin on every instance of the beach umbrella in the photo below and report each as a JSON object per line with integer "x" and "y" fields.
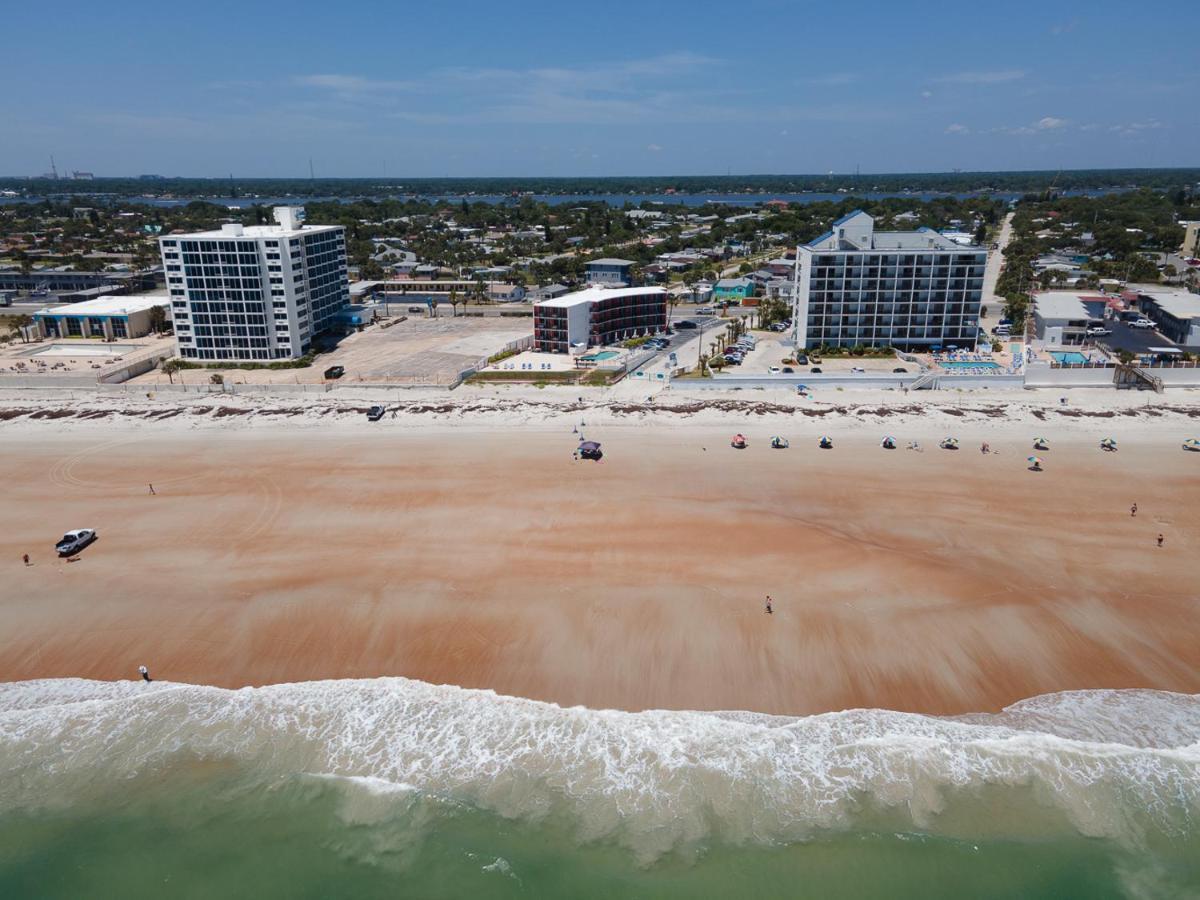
{"x": 1040, "y": 443}
{"x": 1108, "y": 444}
{"x": 1035, "y": 461}
{"x": 950, "y": 443}
{"x": 888, "y": 441}
{"x": 1191, "y": 444}
{"x": 826, "y": 441}
{"x": 589, "y": 445}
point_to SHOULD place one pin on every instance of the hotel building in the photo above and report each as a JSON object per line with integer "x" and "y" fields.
{"x": 598, "y": 316}
{"x": 908, "y": 289}
{"x": 255, "y": 293}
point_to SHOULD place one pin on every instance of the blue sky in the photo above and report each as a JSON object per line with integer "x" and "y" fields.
{"x": 534, "y": 88}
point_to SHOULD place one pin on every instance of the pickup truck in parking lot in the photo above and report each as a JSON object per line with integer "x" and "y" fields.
{"x": 1141, "y": 323}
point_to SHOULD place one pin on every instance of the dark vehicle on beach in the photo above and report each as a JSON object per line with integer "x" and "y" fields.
{"x": 74, "y": 541}
{"x": 375, "y": 413}
{"x": 815, "y": 370}
{"x": 335, "y": 372}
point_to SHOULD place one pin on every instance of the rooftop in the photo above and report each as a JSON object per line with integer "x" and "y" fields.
{"x": 856, "y": 231}
{"x": 108, "y": 305}
{"x": 596, "y": 294}
{"x": 610, "y": 262}
{"x": 1065, "y": 305}
{"x": 1180, "y": 304}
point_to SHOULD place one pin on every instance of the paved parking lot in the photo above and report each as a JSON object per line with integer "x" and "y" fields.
{"x": 1135, "y": 340}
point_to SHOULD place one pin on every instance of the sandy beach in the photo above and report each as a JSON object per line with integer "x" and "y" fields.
{"x": 471, "y": 549}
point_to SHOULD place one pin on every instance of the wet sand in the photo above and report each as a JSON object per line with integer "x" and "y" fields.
{"x": 936, "y": 582}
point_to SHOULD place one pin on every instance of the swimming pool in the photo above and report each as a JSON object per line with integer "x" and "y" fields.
{"x": 603, "y": 354}
{"x": 82, "y": 349}
{"x": 969, "y": 365}
{"x": 1069, "y": 357}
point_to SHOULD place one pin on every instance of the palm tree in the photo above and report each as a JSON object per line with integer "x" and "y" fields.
{"x": 158, "y": 318}
{"x": 19, "y": 324}
{"x": 171, "y": 366}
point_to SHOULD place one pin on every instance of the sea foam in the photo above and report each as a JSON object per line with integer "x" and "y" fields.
{"x": 1114, "y": 764}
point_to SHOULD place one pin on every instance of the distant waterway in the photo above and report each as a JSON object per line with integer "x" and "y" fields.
{"x": 615, "y": 200}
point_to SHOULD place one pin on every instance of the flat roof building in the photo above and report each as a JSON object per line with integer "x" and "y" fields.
{"x": 255, "y": 293}
{"x": 1176, "y": 313}
{"x": 106, "y": 318}
{"x": 609, "y": 271}
{"x": 598, "y": 316}
{"x": 1063, "y": 317}
{"x": 911, "y": 289}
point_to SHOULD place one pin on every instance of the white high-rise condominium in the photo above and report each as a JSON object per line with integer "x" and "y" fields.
{"x": 910, "y": 289}
{"x": 255, "y": 293}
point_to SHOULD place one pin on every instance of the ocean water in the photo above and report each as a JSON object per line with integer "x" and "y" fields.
{"x": 396, "y": 788}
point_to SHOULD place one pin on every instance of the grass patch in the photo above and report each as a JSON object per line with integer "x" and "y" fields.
{"x": 503, "y": 354}
{"x": 302, "y": 363}
{"x": 524, "y": 377}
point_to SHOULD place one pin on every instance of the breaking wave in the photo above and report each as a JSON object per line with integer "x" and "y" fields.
{"x": 1121, "y": 765}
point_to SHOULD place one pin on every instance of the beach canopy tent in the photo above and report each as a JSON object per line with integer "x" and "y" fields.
{"x": 826, "y": 442}
{"x": 589, "y": 445}
{"x": 1040, "y": 444}
{"x": 949, "y": 443}
{"x": 739, "y": 441}
{"x": 888, "y": 442}
{"x": 1191, "y": 444}
{"x": 779, "y": 443}
{"x": 590, "y": 450}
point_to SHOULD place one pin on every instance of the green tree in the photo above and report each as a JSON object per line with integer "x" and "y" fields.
{"x": 170, "y": 367}
{"x": 158, "y": 319}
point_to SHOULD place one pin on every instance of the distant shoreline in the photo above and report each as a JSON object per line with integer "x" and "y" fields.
{"x": 667, "y": 186}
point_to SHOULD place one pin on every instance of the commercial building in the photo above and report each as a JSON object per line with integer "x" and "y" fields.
{"x": 597, "y": 316}
{"x": 610, "y": 271}
{"x": 1191, "y": 239}
{"x": 1063, "y": 317}
{"x": 908, "y": 289}
{"x": 106, "y": 318}
{"x": 438, "y": 289}
{"x": 1176, "y": 313}
{"x": 255, "y": 293}
{"x": 62, "y": 279}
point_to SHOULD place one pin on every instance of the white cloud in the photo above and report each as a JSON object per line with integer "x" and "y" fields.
{"x": 654, "y": 148}
{"x": 1049, "y": 123}
{"x": 991, "y": 77}
{"x": 833, "y": 79}
{"x": 926, "y": 94}
{"x": 1065, "y": 27}
{"x": 351, "y": 83}
{"x": 956, "y": 128}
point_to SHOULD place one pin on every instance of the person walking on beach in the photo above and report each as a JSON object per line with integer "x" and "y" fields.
{"x": 25, "y": 558}
{"x": 984, "y": 448}
{"x": 144, "y": 672}
{"x": 1160, "y": 540}
{"x": 152, "y": 491}
{"x": 1133, "y": 510}
{"x": 769, "y": 610}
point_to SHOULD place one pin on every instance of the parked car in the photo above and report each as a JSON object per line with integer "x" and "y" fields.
{"x": 375, "y": 413}
{"x": 416, "y": 309}
{"x": 335, "y": 372}
{"x": 1099, "y": 332}
{"x": 705, "y": 311}
{"x": 1141, "y": 323}
{"x": 686, "y": 323}
{"x": 899, "y": 370}
{"x": 74, "y": 541}
{"x": 779, "y": 326}
{"x": 1001, "y": 331}
{"x": 788, "y": 370}
{"x": 802, "y": 360}
{"x": 774, "y": 370}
